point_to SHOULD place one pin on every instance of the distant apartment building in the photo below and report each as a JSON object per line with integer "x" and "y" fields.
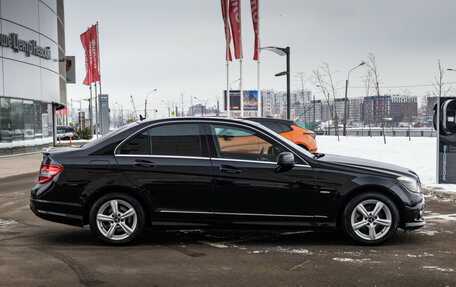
{"x": 275, "y": 103}
{"x": 376, "y": 108}
{"x": 355, "y": 109}
{"x": 403, "y": 108}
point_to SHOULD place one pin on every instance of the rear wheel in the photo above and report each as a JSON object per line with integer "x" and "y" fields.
{"x": 370, "y": 218}
{"x": 116, "y": 218}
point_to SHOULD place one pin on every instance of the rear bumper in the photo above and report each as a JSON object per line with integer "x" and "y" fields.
{"x": 57, "y": 211}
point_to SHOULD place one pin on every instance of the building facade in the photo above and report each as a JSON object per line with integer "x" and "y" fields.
{"x": 403, "y": 108}
{"x": 376, "y": 109}
{"x": 32, "y": 74}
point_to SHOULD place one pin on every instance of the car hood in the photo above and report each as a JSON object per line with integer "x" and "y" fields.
{"x": 367, "y": 164}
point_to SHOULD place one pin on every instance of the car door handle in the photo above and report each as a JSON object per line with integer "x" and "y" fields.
{"x": 144, "y": 163}
{"x": 230, "y": 169}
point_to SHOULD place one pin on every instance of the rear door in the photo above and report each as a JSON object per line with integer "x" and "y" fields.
{"x": 171, "y": 163}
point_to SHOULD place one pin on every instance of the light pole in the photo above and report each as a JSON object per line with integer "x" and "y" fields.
{"x": 234, "y": 82}
{"x": 283, "y": 52}
{"x": 346, "y": 100}
{"x": 145, "y": 102}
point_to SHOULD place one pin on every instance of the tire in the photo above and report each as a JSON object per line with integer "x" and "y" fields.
{"x": 116, "y": 228}
{"x": 370, "y": 218}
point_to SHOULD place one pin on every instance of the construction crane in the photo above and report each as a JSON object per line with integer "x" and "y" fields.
{"x": 134, "y": 107}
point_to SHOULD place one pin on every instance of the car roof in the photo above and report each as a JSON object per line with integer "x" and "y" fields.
{"x": 287, "y": 122}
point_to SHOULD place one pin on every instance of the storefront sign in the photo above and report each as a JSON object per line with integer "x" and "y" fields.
{"x": 28, "y": 47}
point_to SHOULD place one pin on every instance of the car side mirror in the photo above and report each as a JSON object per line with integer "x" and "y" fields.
{"x": 285, "y": 161}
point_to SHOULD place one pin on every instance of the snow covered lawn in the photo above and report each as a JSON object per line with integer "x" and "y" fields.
{"x": 419, "y": 154}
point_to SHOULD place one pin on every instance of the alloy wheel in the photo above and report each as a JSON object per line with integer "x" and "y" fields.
{"x": 116, "y": 219}
{"x": 371, "y": 219}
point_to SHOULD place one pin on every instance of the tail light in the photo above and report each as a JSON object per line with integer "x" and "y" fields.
{"x": 48, "y": 171}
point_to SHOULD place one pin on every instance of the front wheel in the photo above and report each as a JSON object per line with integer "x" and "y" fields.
{"x": 370, "y": 218}
{"x": 116, "y": 218}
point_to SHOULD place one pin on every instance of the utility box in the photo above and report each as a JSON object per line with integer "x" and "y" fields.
{"x": 103, "y": 104}
{"x": 445, "y": 124}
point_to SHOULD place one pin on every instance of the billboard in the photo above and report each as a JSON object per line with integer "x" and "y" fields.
{"x": 250, "y": 98}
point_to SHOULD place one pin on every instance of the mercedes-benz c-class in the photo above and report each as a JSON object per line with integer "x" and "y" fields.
{"x": 220, "y": 172}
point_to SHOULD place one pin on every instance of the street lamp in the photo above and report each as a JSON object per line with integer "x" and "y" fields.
{"x": 233, "y": 82}
{"x": 346, "y": 100}
{"x": 452, "y": 70}
{"x": 145, "y": 102}
{"x": 283, "y": 52}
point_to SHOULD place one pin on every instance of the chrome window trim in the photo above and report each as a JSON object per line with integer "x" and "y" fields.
{"x": 243, "y": 160}
{"x": 240, "y": 213}
{"x": 163, "y": 156}
{"x": 210, "y": 122}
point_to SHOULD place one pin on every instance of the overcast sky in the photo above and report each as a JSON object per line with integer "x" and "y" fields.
{"x": 179, "y": 47}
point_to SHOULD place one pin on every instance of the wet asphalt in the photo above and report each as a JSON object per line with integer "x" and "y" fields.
{"x": 34, "y": 252}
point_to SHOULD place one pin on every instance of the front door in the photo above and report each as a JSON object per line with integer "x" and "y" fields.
{"x": 248, "y": 183}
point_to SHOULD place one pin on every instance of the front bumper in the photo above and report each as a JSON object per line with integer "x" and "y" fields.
{"x": 413, "y": 216}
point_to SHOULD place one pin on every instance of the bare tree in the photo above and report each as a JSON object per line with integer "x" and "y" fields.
{"x": 408, "y": 110}
{"x": 367, "y": 80}
{"x": 438, "y": 84}
{"x": 329, "y": 83}
{"x": 372, "y": 64}
{"x": 319, "y": 81}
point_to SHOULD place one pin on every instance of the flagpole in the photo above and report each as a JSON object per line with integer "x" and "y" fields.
{"x": 227, "y": 34}
{"x": 241, "y": 91}
{"x": 99, "y": 75}
{"x": 96, "y": 109}
{"x": 98, "y": 57}
{"x": 260, "y": 112}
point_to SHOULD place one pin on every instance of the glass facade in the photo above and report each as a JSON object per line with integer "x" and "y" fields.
{"x": 25, "y": 126}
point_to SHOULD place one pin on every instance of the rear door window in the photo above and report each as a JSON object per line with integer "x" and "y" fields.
{"x": 176, "y": 140}
{"x": 173, "y": 140}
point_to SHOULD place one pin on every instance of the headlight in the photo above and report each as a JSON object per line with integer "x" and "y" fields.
{"x": 311, "y": 134}
{"x": 410, "y": 183}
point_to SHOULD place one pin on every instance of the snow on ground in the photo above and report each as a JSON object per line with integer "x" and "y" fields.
{"x": 419, "y": 154}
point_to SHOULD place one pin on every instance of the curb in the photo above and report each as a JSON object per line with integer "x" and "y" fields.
{"x": 439, "y": 193}
{"x": 18, "y": 176}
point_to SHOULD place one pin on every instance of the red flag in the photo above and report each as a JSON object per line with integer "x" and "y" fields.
{"x": 254, "y": 8}
{"x": 227, "y": 29}
{"x": 63, "y": 112}
{"x": 90, "y": 44}
{"x": 235, "y": 19}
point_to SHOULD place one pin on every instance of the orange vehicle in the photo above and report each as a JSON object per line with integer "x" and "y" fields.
{"x": 289, "y": 130}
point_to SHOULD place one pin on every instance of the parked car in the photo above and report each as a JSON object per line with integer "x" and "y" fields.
{"x": 289, "y": 129}
{"x": 65, "y": 132}
{"x": 220, "y": 172}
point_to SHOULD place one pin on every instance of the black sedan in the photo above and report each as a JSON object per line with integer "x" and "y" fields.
{"x": 220, "y": 172}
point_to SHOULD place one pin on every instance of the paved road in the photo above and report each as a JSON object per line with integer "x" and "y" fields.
{"x": 34, "y": 252}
